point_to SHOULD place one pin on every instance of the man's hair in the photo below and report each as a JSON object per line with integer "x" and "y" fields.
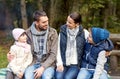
{"x": 76, "y": 17}
{"x": 37, "y": 14}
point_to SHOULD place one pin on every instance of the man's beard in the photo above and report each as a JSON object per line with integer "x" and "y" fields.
{"x": 41, "y": 28}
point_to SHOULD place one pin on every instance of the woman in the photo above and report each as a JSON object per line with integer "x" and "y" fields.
{"x": 71, "y": 42}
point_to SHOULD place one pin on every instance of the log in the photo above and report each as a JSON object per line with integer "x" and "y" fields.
{"x": 115, "y": 37}
{"x": 113, "y": 62}
{"x": 115, "y": 52}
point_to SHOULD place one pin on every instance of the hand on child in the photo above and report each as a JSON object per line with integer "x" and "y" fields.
{"x": 10, "y": 56}
{"x": 60, "y": 68}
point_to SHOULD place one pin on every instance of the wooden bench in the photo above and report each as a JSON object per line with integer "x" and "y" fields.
{"x": 114, "y": 59}
{"x": 115, "y": 54}
{"x": 2, "y": 73}
{"x": 115, "y": 37}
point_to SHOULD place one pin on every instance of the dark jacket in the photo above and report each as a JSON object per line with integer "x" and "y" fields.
{"x": 91, "y": 53}
{"x": 80, "y": 42}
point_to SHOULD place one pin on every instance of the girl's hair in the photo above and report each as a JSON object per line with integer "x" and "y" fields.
{"x": 37, "y": 14}
{"x": 24, "y": 33}
{"x": 76, "y": 17}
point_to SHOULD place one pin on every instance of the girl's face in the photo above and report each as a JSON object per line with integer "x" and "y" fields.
{"x": 90, "y": 38}
{"x": 70, "y": 23}
{"x": 22, "y": 38}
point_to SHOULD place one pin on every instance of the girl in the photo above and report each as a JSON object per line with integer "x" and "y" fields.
{"x": 21, "y": 52}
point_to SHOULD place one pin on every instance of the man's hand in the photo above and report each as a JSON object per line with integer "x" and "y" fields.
{"x": 20, "y": 75}
{"x": 38, "y": 72}
{"x": 60, "y": 68}
{"x": 10, "y": 56}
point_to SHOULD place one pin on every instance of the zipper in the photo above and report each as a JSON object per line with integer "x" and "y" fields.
{"x": 87, "y": 56}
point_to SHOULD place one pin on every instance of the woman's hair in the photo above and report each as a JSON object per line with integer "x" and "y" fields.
{"x": 37, "y": 14}
{"x": 76, "y": 17}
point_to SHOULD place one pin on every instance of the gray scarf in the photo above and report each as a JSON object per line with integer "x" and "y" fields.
{"x": 37, "y": 36}
{"x": 71, "y": 44}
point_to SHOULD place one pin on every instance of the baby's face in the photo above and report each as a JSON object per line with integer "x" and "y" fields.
{"x": 22, "y": 38}
{"x": 90, "y": 38}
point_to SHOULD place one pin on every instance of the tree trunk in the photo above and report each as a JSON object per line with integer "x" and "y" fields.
{"x": 58, "y": 13}
{"x": 23, "y": 14}
{"x": 40, "y": 4}
{"x": 52, "y": 11}
{"x": 105, "y": 18}
{"x": 5, "y": 17}
{"x": 76, "y": 5}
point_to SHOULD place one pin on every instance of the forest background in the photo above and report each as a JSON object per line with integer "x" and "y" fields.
{"x": 18, "y": 13}
{"x": 100, "y": 13}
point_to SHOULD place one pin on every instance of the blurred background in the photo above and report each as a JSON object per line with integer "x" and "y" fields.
{"x": 18, "y": 13}
{"x": 101, "y": 13}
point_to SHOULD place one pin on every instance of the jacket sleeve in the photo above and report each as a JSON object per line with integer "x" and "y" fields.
{"x": 12, "y": 64}
{"x": 100, "y": 65}
{"x": 52, "y": 52}
{"x": 59, "y": 60}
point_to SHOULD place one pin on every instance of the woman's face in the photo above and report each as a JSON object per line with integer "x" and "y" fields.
{"x": 70, "y": 23}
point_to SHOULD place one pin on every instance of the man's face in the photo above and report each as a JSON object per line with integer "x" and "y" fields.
{"x": 42, "y": 24}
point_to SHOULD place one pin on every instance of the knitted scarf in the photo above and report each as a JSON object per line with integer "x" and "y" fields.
{"x": 24, "y": 45}
{"x": 71, "y": 45}
{"x": 39, "y": 40}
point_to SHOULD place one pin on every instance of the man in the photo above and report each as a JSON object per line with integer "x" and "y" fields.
{"x": 43, "y": 40}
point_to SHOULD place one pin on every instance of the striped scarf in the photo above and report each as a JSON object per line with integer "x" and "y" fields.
{"x": 71, "y": 52}
{"x": 39, "y": 40}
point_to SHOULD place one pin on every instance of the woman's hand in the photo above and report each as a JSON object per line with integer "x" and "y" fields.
{"x": 60, "y": 68}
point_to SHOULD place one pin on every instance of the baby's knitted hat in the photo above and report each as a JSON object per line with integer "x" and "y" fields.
{"x": 17, "y": 32}
{"x": 99, "y": 34}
